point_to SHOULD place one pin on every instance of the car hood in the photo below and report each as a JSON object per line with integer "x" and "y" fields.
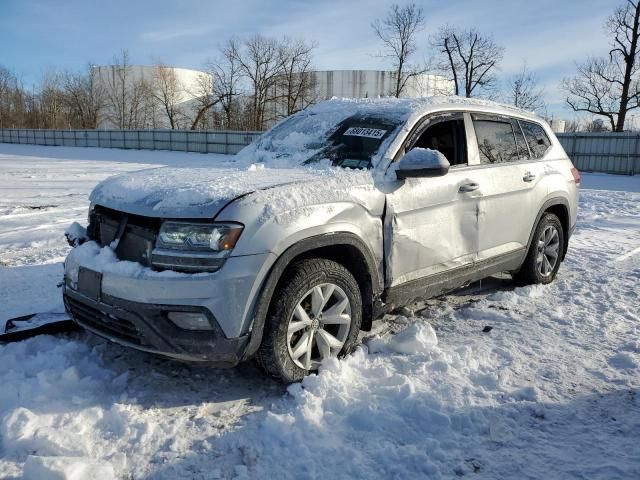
{"x": 197, "y": 192}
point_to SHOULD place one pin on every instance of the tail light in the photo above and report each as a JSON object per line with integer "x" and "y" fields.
{"x": 576, "y": 175}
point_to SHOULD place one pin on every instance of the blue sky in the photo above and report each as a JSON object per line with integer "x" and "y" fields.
{"x": 550, "y": 35}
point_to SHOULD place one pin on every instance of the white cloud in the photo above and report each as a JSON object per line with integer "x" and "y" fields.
{"x": 172, "y": 33}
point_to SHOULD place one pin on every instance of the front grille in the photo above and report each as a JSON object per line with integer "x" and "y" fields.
{"x": 107, "y": 323}
{"x": 138, "y": 233}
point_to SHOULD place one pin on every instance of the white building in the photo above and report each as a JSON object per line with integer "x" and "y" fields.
{"x": 132, "y": 95}
{"x": 558, "y": 126}
{"x": 377, "y": 83}
{"x": 363, "y": 84}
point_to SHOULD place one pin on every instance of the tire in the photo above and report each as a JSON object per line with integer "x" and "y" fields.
{"x": 305, "y": 285}
{"x": 539, "y": 265}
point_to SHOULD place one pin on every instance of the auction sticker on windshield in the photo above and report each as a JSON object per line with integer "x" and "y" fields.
{"x": 364, "y": 132}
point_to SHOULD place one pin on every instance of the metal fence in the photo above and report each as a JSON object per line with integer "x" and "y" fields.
{"x": 603, "y": 152}
{"x": 590, "y": 152}
{"x": 229, "y": 142}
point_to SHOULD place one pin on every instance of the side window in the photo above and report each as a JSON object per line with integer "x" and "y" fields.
{"x": 523, "y": 151}
{"x": 447, "y": 135}
{"x": 537, "y": 138}
{"x": 496, "y": 140}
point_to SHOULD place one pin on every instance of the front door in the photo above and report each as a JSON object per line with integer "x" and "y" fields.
{"x": 431, "y": 224}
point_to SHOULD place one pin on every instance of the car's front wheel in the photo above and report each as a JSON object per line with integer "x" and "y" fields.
{"x": 316, "y": 314}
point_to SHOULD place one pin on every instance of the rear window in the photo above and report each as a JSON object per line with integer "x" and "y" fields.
{"x": 536, "y": 137}
{"x": 496, "y": 141}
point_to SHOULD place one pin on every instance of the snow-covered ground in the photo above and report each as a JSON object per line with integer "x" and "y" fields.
{"x": 552, "y": 391}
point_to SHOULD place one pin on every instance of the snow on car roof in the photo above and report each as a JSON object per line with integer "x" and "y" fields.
{"x": 404, "y": 107}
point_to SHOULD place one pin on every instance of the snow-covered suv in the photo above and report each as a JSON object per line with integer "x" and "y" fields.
{"x": 333, "y": 217}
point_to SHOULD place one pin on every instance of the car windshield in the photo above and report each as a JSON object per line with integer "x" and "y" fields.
{"x": 351, "y": 142}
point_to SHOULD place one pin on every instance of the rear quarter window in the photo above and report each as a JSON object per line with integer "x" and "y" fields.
{"x": 536, "y": 137}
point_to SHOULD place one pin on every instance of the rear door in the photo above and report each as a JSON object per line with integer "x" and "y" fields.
{"x": 539, "y": 166}
{"x": 507, "y": 180}
{"x": 431, "y": 224}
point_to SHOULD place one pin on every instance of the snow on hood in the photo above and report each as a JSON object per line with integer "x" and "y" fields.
{"x": 203, "y": 192}
{"x": 188, "y": 192}
{"x": 287, "y": 203}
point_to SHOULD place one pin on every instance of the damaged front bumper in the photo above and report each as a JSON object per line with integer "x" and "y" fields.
{"x": 146, "y": 327}
{"x": 137, "y": 307}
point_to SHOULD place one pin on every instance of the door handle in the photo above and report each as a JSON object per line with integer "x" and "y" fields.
{"x": 529, "y": 177}
{"x": 468, "y": 187}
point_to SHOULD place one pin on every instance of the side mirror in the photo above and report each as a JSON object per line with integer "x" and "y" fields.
{"x": 422, "y": 162}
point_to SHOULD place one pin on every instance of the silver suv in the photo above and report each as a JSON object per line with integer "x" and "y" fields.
{"x": 330, "y": 219}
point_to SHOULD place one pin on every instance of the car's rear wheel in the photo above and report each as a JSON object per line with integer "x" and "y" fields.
{"x": 545, "y": 252}
{"x": 316, "y": 314}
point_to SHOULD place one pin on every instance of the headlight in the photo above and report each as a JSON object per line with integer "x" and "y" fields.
{"x": 216, "y": 237}
{"x": 194, "y": 246}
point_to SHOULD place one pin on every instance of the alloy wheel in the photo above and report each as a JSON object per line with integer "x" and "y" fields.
{"x": 319, "y": 325}
{"x": 548, "y": 251}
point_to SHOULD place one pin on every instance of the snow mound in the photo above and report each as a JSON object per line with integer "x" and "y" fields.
{"x": 415, "y": 339}
{"x": 418, "y": 338}
{"x": 66, "y": 468}
{"x": 623, "y": 361}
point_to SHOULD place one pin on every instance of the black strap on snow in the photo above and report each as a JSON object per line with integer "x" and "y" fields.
{"x": 59, "y": 326}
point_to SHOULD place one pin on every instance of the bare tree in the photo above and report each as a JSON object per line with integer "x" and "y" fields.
{"x": 84, "y": 97}
{"x": 116, "y": 81}
{"x": 591, "y": 90}
{"x": 610, "y": 86}
{"x": 142, "y": 112}
{"x": 264, "y": 77}
{"x": 227, "y": 76}
{"x": 12, "y": 100}
{"x": 218, "y": 90}
{"x": 397, "y": 31}
{"x": 296, "y": 84}
{"x": 129, "y": 98}
{"x": 469, "y": 58}
{"x": 595, "y": 125}
{"x": 50, "y": 100}
{"x": 261, "y": 60}
{"x": 203, "y": 96}
{"x": 524, "y": 91}
{"x": 572, "y": 126}
{"x": 168, "y": 91}
{"x": 59, "y": 100}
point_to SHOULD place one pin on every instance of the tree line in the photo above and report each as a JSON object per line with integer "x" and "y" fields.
{"x": 606, "y": 88}
{"x": 250, "y": 84}
{"x": 254, "y": 81}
